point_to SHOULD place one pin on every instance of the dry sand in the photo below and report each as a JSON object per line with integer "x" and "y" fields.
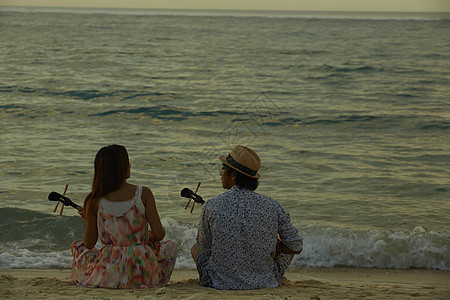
{"x": 307, "y": 283}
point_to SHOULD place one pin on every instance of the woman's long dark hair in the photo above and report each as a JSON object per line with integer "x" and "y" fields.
{"x": 110, "y": 171}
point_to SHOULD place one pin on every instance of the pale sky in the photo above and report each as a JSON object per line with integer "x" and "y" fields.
{"x": 321, "y": 5}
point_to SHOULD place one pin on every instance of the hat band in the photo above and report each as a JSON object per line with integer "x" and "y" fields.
{"x": 242, "y": 168}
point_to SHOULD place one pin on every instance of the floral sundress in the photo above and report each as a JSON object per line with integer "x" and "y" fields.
{"x": 126, "y": 259}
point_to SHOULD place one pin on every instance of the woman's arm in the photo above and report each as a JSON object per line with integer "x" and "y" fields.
{"x": 151, "y": 214}
{"x": 90, "y": 235}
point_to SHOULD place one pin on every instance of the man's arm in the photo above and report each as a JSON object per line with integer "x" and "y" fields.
{"x": 291, "y": 240}
{"x": 287, "y": 250}
{"x": 204, "y": 238}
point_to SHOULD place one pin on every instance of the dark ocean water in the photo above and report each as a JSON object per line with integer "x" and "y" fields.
{"x": 350, "y": 114}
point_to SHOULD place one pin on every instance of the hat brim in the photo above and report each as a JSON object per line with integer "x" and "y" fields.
{"x": 224, "y": 161}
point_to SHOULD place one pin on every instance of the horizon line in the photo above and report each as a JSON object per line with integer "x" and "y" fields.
{"x": 234, "y": 10}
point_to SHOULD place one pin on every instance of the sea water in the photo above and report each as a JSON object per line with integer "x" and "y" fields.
{"x": 350, "y": 114}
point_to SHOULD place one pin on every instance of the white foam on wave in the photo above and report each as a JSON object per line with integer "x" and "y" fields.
{"x": 185, "y": 236}
{"x": 27, "y": 254}
{"x": 323, "y": 247}
{"x": 30, "y": 253}
{"x": 331, "y": 247}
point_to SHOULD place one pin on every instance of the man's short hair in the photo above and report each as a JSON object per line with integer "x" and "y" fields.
{"x": 242, "y": 181}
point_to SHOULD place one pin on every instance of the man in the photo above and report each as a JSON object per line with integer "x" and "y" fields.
{"x": 238, "y": 231}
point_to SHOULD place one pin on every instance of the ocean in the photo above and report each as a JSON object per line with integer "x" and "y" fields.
{"x": 349, "y": 112}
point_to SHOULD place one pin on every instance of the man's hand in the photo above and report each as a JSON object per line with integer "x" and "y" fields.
{"x": 195, "y": 251}
{"x": 287, "y": 250}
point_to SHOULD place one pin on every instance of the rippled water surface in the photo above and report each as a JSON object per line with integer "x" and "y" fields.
{"x": 350, "y": 115}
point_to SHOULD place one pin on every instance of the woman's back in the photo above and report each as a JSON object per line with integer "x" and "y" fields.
{"x": 119, "y": 213}
{"x": 122, "y": 222}
{"x": 126, "y": 260}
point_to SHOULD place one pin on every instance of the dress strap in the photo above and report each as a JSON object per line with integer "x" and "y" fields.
{"x": 120, "y": 208}
{"x": 138, "y": 193}
{"x": 138, "y": 199}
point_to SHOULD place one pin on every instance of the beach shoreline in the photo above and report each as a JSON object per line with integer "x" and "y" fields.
{"x": 299, "y": 283}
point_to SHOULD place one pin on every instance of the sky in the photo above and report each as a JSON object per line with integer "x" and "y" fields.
{"x": 314, "y": 5}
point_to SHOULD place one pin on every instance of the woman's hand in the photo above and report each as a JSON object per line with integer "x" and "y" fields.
{"x": 82, "y": 212}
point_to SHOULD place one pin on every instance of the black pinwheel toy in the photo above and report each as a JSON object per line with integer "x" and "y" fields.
{"x": 54, "y": 196}
{"x": 187, "y": 193}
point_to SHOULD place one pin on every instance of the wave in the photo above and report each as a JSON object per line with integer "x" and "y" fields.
{"x": 300, "y": 52}
{"x": 333, "y": 247}
{"x": 437, "y": 125}
{"x": 164, "y": 112}
{"x": 11, "y": 107}
{"x": 326, "y": 72}
{"x": 30, "y": 239}
{"x": 81, "y": 94}
{"x": 373, "y": 121}
{"x": 328, "y": 68}
{"x": 268, "y": 114}
{"x": 86, "y": 95}
{"x": 324, "y": 121}
{"x": 167, "y": 113}
{"x": 19, "y": 225}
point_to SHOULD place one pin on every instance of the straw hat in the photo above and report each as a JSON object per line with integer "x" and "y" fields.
{"x": 244, "y": 160}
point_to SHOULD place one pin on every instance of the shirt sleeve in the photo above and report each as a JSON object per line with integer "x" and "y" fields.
{"x": 204, "y": 238}
{"x": 288, "y": 233}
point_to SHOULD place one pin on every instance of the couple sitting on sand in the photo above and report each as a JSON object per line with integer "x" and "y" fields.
{"x": 245, "y": 240}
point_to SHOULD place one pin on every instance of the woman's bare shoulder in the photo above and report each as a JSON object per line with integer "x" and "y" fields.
{"x": 147, "y": 195}
{"x": 146, "y": 189}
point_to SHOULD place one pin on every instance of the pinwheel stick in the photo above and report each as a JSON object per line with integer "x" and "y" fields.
{"x": 193, "y": 204}
{"x": 62, "y": 205}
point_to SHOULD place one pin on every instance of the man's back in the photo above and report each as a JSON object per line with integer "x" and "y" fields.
{"x": 237, "y": 232}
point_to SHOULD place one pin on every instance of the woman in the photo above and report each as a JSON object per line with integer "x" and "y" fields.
{"x": 120, "y": 213}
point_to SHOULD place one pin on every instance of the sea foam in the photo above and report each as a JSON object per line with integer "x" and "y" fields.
{"x": 48, "y": 246}
{"x": 332, "y": 247}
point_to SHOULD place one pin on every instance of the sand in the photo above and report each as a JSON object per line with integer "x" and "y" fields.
{"x": 306, "y": 283}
